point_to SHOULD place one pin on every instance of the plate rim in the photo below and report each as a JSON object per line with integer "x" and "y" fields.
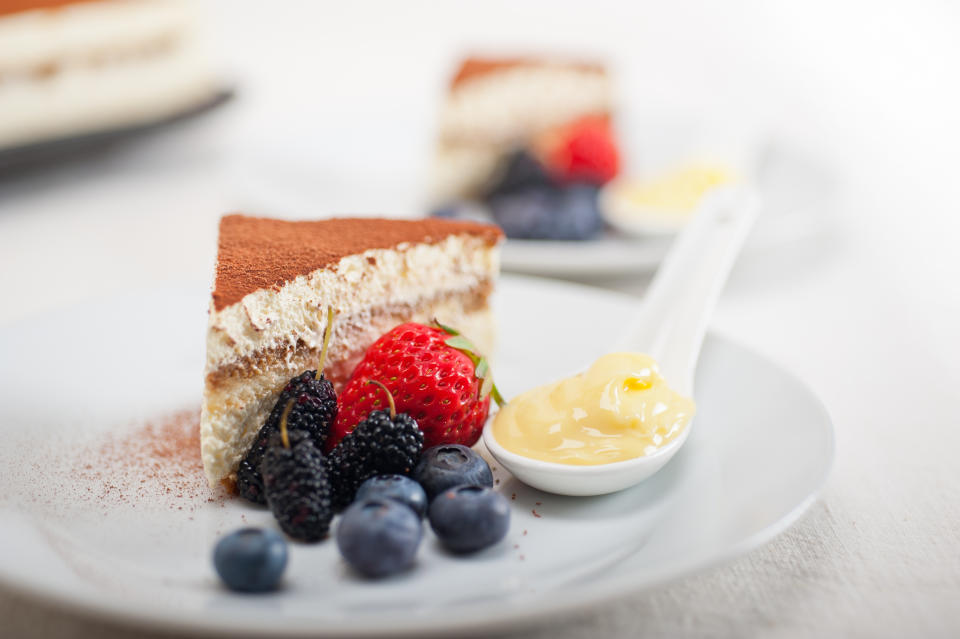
{"x": 60, "y": 148}
{"x": 485, "y": 617}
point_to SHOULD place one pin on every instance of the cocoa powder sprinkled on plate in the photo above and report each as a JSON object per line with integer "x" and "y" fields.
{"x": 156, "y": 462}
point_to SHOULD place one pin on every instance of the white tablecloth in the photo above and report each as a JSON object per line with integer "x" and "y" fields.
{"x": 866, "y": 310}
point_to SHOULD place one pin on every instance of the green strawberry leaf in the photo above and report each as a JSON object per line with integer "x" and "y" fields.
{"x": 495, "y": 392}
{"x": 487, "y": 386}
{"x": 481, "y": 367}
{"x": 460, "y": 343}
{"x": 446, "y": 329}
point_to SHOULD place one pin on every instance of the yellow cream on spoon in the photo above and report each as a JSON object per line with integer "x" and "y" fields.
{"x": 619, "y": 409}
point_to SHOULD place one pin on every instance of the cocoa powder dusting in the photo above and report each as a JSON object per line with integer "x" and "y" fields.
{"x": 156, "y": 463}
{"x": 476, "y": 67}
{"x": 255, "y": 253}
{"x": 8, "y": 7}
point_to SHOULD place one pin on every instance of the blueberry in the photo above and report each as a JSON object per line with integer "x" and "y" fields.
{"x": 379, "y": 537}
{"x": 525, "y": 214}
{"x": 465, "y": 210}
{"x": 519, "y": 170}
{"x": 396, "y": 487}
{"x": 577, "y": 216}
{"x": 449, "y": 465}
{"x": 448, "y": 211}
{"x": 469, "y": 518}
{"x": 568, "y": 213}
{"x": 251, "y": 559}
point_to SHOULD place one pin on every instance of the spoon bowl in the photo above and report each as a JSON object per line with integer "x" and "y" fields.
{"x": 582, "y": 481}
{"x": 670, "y": 326}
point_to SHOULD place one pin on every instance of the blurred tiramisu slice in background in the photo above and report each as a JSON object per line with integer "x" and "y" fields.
{"x": 526, "y": 143}
{"x": 496, "y": 105}
{"x": 74, "y": 67}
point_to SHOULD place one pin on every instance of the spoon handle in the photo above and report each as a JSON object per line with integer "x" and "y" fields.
{"x": 681, "y": 297}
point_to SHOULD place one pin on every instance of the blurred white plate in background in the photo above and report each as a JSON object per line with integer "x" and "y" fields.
{"x": 798, "y": 194}
{"x": 798, "y": 200}
{"x": 298, "y": 171}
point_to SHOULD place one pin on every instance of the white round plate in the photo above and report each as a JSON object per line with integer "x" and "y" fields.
{"x": 760, "y": 450}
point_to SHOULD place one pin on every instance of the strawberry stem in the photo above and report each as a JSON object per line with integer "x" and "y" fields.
{"x": 284, "y": 437}
{"x": 326, "y": 342}
{"x": 393, "y": 407}
{"x": 497, "y": 397}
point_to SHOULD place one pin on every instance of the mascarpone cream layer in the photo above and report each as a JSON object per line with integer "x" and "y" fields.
{"x": 404, "y": 275}
{"x": 507, "y": 106}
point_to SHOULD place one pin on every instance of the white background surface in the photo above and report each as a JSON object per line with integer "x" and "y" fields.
{"x": 336, "y": 95}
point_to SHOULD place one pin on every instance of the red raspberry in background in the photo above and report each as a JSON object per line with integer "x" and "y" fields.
{"x": 435, "y": 383}
{"x": 583, "y": 151}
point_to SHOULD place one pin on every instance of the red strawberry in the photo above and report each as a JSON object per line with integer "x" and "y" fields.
{"x": 434, "y": 375}
{"x": 582, "y": 151}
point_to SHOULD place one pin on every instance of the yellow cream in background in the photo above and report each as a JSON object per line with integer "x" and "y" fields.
{"x": 678, "y": 191}
{"x": 619, "y": 409}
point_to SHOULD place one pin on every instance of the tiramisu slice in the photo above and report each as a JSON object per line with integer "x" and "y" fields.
{"x": 494, "y": 106}
{"x": 70, "y": 67}
{"x": 275, "y": 281}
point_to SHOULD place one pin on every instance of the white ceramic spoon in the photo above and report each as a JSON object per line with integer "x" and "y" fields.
{"x": 670, "y": 327}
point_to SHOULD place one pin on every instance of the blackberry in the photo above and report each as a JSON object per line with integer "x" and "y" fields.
{"x": 384, "y": 443}
{"x": 296, "y": 485}
{"x": 313, "y": 412}
{"x": 519, "y": 170}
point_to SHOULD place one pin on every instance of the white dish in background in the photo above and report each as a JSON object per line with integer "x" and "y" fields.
{"x": 693, "y": 183}
{"x": 797, "y": 193}
{"x": 290, "y": 174}
{"x": 610, "y": 254}
{"x": 674, "y": 159}
{"x": 762, "y": 449}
